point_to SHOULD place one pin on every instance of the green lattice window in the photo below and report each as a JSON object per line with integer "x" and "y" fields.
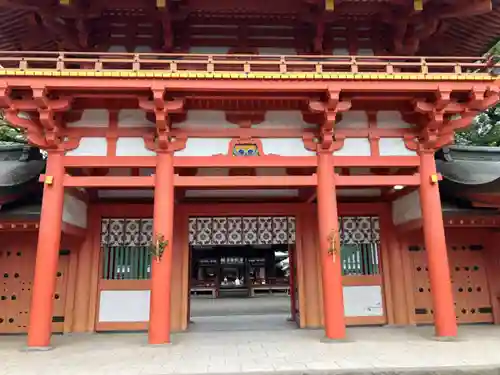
{"x": 126, "y": 263}
{"x": 360, "y": 259}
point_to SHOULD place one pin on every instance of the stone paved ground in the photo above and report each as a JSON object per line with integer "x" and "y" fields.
{"x": 277, "y": 351}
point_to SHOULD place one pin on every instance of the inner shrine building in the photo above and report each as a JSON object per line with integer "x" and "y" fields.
{"x": 289, "y": 146}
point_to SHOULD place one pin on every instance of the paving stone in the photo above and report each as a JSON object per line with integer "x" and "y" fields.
{"x": 370, "y": 351}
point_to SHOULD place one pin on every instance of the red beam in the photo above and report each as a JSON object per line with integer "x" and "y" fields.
{"x": 372, "y": 181}
{"x": 244, "y": 181}
{"x": 109, "y": 181}
{"x": 109, "y": 161}
{"x": 223, "y": 161}
{"x": 376, "y": 161}
{"x": 234, "y": 86}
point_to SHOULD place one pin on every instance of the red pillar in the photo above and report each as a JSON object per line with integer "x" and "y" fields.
{"x": 291, "y": 279}
{"x": 435, "y": 244}
{"x": 333, "y": 299}
{"x": 47, "y": 254}
{"x": 161, "y": 272}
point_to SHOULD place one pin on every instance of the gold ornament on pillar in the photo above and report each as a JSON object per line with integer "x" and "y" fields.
{"x": 333, "y": 244}
{"x": 158, "y": 246}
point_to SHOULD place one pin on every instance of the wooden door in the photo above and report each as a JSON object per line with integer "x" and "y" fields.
{"x": 469, "y": 283}
{"x": 17, "y": 265}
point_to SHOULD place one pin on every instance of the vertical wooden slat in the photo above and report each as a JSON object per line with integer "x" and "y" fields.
{"x": 119, "y": 262}
{"x": 140, "y": 263}
{"x": 133, "y": 262}
{"x": 126, "y": 262}
{"x": 112, "y": 263}
{"x": 105, "y": 266}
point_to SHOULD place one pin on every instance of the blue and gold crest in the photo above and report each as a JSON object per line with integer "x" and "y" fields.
{"x": 245, "y": 150}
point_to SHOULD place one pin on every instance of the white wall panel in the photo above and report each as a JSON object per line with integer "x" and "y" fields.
{"x": 205, "y": 119}
{"x": 205, "y": 147}
{"x": 124, "y": 306}
{"x": 353, "y": 120}
{"x": 132, "y": 146}
{"x": 394, "y": 147}
{"x": 90, "y": 146}
{"x": 91, "y": 118}
{"x": 355, "y": 147}
{"x": 391, "y": 120}
{"x": 406, "y": 208}
{"x": 209, "y": 50}
{"x": 129, "y": 118}
{"x": 74, "y": 211}
{"x": 285, "y": 147}
{"x": 363, "y": 301}
{"x": 284, "y": 120}
{"x": 277, "y": 51}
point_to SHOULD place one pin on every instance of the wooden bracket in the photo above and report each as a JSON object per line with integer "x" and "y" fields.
{"x": 330, "y": 109}
{"x": 162, "y": 108}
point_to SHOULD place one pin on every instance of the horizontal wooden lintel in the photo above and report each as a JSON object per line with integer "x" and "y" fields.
{"x": 224, "y": 161}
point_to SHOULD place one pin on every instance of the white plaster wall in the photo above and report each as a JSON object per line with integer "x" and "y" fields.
{"x": 209, "y": 50}
{"x": 205, "y": 147}
{"x": 117, "y": 48}
{"x": 277, "y": 51}
{"x": 90, "y": 146}
{"x": 391, "y": 120}
{"x": 394, "y": 147}
{"x": 124, "y": 306}
{"x": 132, "y": 146}
{"x": 129, "y": 118}
{"x": 355, "y": 147}
{"x": 142, "y": 49}
{"x": 365, "y": 52}
{"x": 363, "y": 301}
{"x": 91, "y": 118}
{"x": 205, "y": 119}
{"x": 74, "y": 211}
{"x": 406, "y": 208}
{"x": 285, "y": 147}
{"x": 284, "y": 120}
{"x": 353, "y": 120}
{"x": 340, "y": 52}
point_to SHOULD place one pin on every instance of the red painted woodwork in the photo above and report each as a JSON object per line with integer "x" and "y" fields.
{"x": 17, "y": 265}
{"x": 333, "y": 300}
{"x": 47, "y": 254}
{"x": 468, "y": 252}
{"x": 435, "y": 243}
{"x": 161, "y": 274}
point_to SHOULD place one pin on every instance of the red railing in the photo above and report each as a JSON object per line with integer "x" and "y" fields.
{"x": 63, "y": 61}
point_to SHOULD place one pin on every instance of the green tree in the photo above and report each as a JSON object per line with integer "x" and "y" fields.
{"x": 484, "y": 131}
{"x": 485, "y": 128}
{"x": 8, "y": 133}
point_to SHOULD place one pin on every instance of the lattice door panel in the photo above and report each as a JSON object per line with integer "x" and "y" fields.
{"x": 17, "y": 264}
{"x": 470, "y": 284}
{"x": 421, "y": 285}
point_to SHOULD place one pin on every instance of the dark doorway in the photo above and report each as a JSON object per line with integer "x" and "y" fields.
{"x": 240, "y": 287}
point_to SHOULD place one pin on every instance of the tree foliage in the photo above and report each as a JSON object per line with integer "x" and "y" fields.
{"x": 8, "y": 133}
{"x": 484, "y": 131}
{"x": 485, "y": 128}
